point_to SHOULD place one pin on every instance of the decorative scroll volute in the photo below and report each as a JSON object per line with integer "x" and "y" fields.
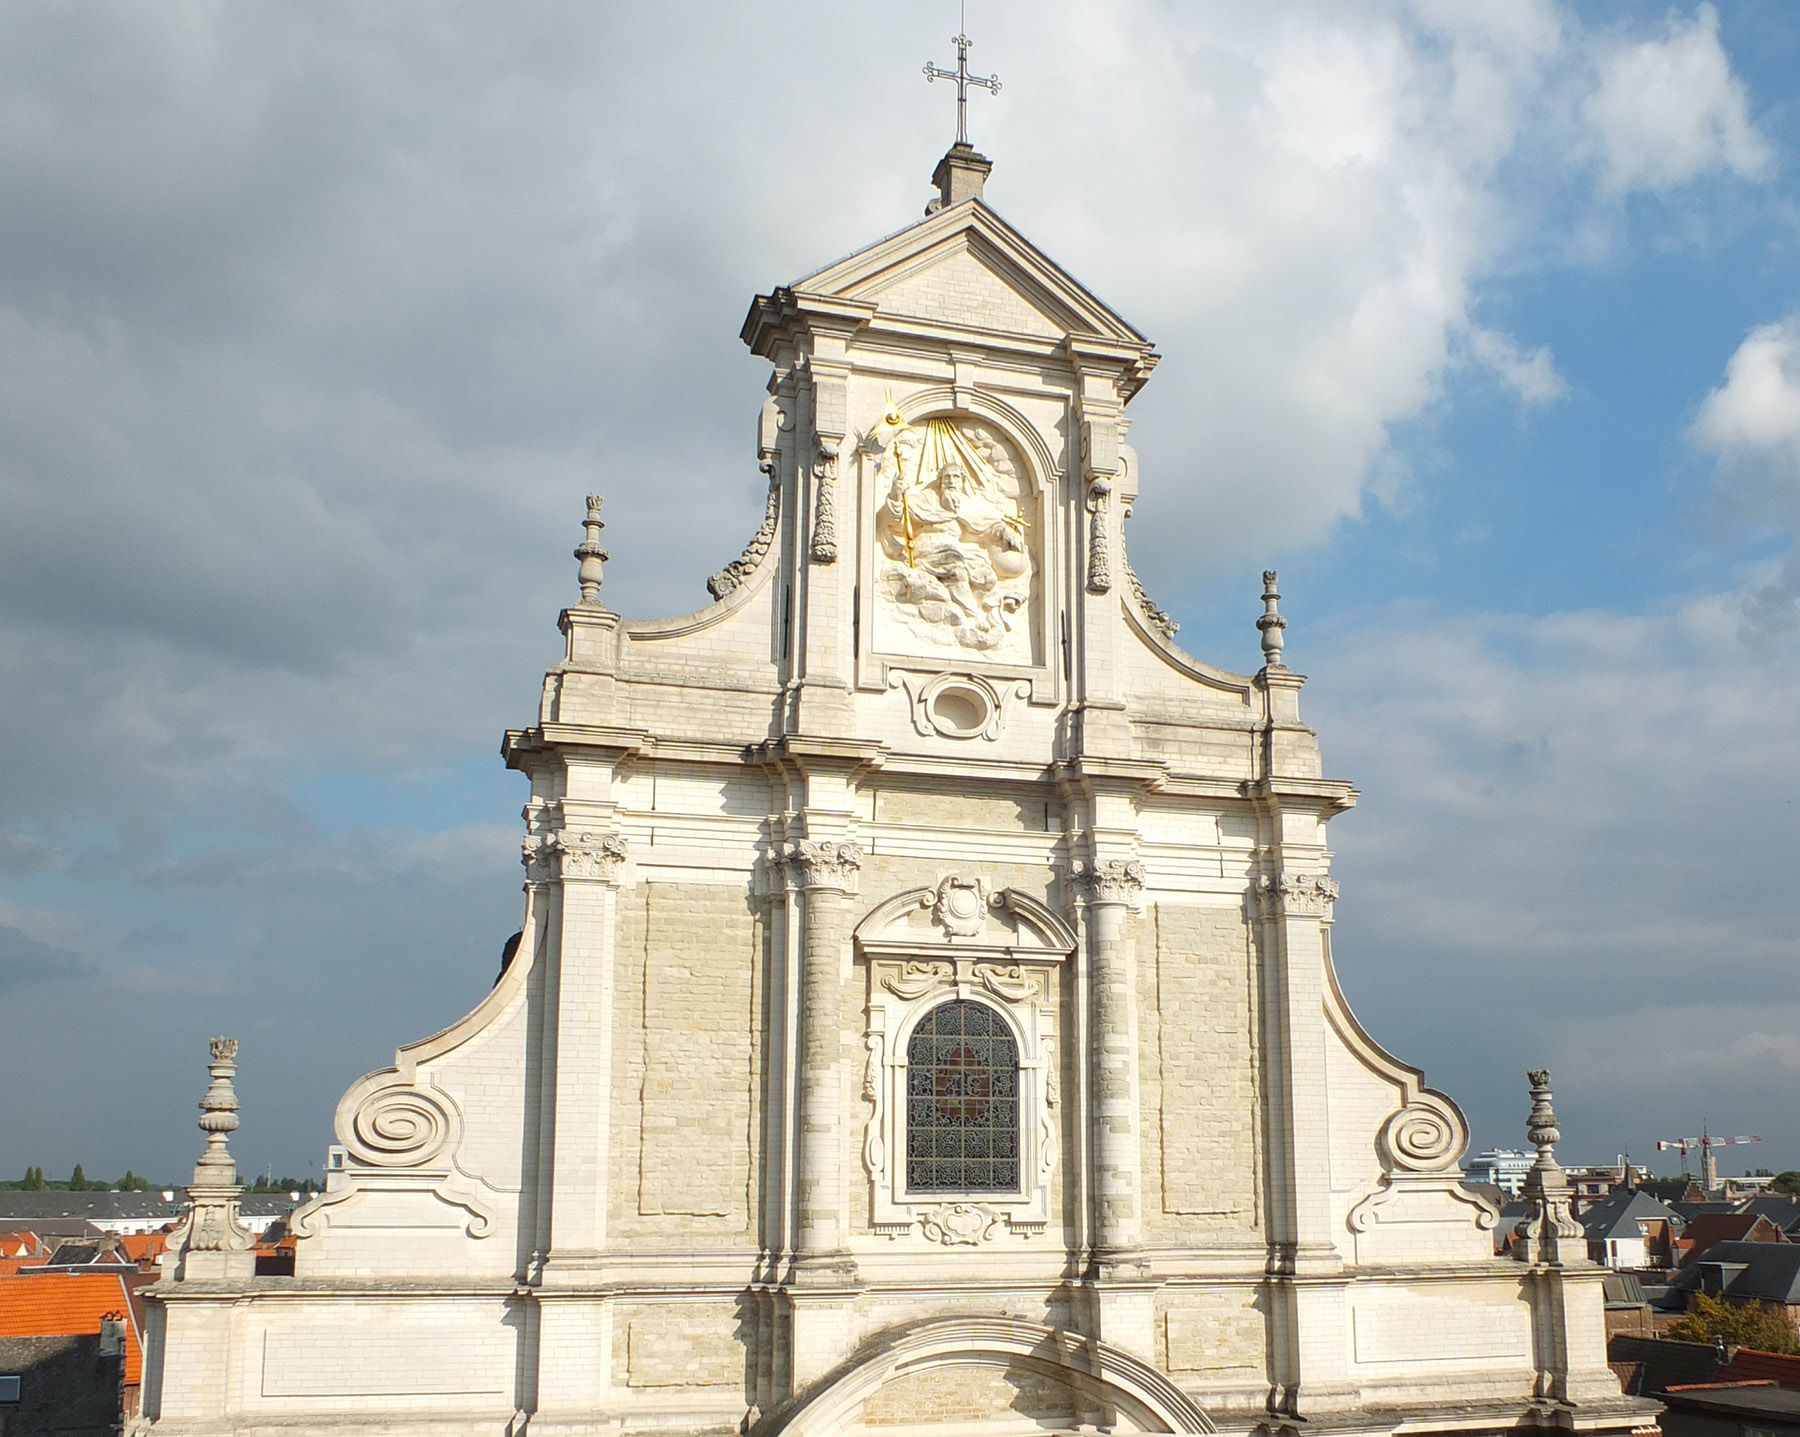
{"x": 1424, "y": 1137}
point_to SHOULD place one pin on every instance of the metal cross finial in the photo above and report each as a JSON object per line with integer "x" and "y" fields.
{"x": 963, "y": 80}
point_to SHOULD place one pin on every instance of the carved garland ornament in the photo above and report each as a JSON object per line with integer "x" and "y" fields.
{"x": 1099, "y": 568}
{"x": 727, "y": 580}
{"x": 824, "y": 539}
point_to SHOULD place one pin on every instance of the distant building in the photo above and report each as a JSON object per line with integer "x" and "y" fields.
{"x": 1505, "y": 1168}
{"x": 1761, "y": 1273}
{"x": 1631, "y": 1229}
{"x": 1715, "y": 1227}
{"x": 59, "y": 1214}
{"x": 1731, "y": 1410}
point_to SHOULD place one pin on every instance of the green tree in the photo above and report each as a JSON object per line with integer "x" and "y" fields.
{"x": 78, "y": 1180}
{"x": 34, "y": 1180}
{"x": 1737, "y": 1324}
{"x": 1788, "y": 1182}
{"x": 132, "y": 1183}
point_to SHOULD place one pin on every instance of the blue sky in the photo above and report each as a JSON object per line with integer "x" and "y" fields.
{"x": 1478, "y": 322}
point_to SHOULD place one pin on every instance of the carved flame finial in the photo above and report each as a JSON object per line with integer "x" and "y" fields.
{"x": 591, "y": 555}
{"x": 219, "y": 1116}
{"x": 1549, "y": 1220}
{"x": 210, "y": 1243}
{"x": 1271, "y": 623}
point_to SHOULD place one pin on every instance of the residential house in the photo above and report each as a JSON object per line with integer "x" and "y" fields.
{"x": 71, "y": 1354}
{"x": 1631, "y": 1229}
{"x": 1710, "y": 1229}
{"x": 1748, "y": 1272}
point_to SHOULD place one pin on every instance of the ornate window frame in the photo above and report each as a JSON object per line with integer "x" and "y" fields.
{"x": 1004, "y": 950}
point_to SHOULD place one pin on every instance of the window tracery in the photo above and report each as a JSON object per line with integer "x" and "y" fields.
{"x": 962, "y": 1102}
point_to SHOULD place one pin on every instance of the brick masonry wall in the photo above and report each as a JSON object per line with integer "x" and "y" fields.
{"x": 970, "y": 1394}
{"x": 688, "y": 958}
{"x": 1197, "y": 1067}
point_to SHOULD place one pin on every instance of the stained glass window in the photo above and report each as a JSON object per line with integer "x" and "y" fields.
{"x": 962, "y": 1102}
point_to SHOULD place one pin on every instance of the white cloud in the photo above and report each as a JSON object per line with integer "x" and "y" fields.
{"x": 1530, "y": 374}
{"x": 1569, "y": 850}
{"x": 1668, "y": 110}
{"x": 1753, "y": 418}
{"x": 1750, "y": 424}
{"x": 312, "y": 337}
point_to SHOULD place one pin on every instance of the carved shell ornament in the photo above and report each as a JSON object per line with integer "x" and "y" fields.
{"x": 954, "y": 561}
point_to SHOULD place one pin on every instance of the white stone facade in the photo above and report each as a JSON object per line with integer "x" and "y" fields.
{"x": 930, "y": 744}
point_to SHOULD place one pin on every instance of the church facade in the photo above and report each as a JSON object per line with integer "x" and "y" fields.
{"x": 923, "y": 1019}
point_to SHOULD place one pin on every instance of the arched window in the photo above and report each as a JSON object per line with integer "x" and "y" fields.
{"x": 962, "y": 1102}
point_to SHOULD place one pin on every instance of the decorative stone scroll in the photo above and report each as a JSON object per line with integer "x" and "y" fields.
{"x": 400, "y": 1136}
{"x": 824, "y": 865}
{"x": 961, "y": 1224}
{"x": 402, "y": 1126}
{"x": 1423, "y": 1138}
{"x": 955, "y": 562}
{"x": 915, "y": 980}
{"x": 728, "y": 579}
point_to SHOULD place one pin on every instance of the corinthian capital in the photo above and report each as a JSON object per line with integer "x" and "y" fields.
{"x": 824, "y": 865}
{"x": 1114, "y": 880}
{"x": 1303, "y": 895}
{"x": 595, "y": 856}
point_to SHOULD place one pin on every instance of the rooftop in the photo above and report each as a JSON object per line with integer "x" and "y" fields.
{"x": 73, "y": 1304}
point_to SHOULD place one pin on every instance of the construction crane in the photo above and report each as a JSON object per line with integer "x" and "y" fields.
{"x": 1704, "y": 1145}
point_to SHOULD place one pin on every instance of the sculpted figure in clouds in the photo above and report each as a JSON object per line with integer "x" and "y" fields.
{"x": 955, "y": 566}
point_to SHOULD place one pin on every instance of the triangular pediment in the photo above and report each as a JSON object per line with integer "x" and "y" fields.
{"x": 965, "y": 267}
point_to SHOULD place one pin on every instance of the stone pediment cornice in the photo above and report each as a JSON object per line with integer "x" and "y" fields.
{"x": 1007, "y": 925}
{"x": 847, "y": 293}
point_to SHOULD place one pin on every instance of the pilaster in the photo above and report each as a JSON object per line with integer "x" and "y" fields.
{"x": 587, "y": 864}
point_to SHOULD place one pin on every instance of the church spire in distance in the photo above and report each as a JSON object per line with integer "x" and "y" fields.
{"x": 962, "y": 172}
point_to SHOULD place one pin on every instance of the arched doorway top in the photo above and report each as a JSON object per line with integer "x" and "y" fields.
{"x": 1150, "y": 1400}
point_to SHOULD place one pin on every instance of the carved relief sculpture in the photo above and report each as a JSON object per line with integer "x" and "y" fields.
{"x": 954, "y": 563}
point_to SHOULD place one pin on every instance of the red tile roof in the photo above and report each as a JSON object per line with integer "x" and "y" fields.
{"x": 141, "y": 1246}
{"x": 1749, "y": 1365}
{"x": 58, "y": 1304}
